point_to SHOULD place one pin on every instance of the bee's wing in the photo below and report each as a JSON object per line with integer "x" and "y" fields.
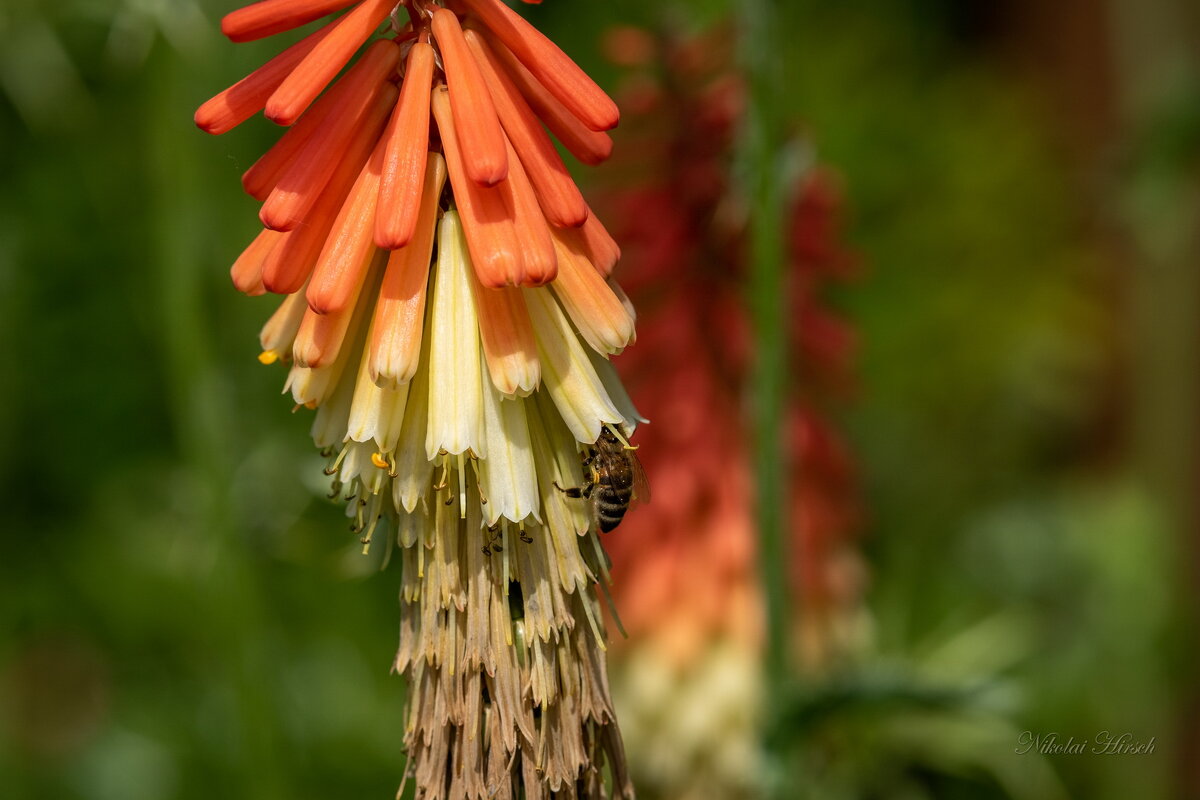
{"x": 641, "y": 484}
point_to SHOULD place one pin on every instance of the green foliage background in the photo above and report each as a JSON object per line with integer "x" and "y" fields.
{"x": 182, "y": 618}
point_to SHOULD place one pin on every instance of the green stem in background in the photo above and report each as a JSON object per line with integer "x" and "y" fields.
{"x": 1156, "y": 57}
{"x": 761, "y": 157}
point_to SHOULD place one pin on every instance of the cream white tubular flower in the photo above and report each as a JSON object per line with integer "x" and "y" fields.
{"x": 455, "y": 389}
{"x": 507, "y": 476}
{"x": 568, "y": 374}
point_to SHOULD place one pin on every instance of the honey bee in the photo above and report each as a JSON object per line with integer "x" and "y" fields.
{"x": 613, "y": 481}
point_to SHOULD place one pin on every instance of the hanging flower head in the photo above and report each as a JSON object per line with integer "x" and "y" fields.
{"x": 449, "y": 315}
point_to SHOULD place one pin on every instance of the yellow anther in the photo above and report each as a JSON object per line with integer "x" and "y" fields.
{"x": 311, "y": 405}
{"x": 268, "y": 357}
{"x": 379, "y": 460}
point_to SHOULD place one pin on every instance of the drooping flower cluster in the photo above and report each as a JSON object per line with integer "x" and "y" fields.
{"x": 449, "y": 315}
{"x": 688, "y": 593}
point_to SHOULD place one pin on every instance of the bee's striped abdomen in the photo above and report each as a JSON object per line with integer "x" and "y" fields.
{"x": 614, "y": 491}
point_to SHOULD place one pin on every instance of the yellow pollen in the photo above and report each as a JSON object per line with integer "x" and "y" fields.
{"x": 617, "y": 432}
{"x": 378, "y": 460}
{"x": 311, "y": 405}
{"x": 268, "y": 357}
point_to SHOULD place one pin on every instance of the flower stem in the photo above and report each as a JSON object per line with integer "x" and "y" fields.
{"x": 761, "y": 159}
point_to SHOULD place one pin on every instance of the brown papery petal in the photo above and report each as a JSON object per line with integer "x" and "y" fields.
{"x": 275, "y": 16}
{"x": 590, "y": 147}
{"x": 319, "y": 67}
{"x": 289, "y": 266}
{"x": 404, "y": 161}
{"x": 486, "y": 217}
{"x": 302, "y": 181}
{"x": 479, "y": 135}
{"x": 247, "y": 97}
{"x": 400, "y": 312}
{"x": 343, "y": 262}
{"x": 553, "y": 68}
{"x": 557, "y": 193}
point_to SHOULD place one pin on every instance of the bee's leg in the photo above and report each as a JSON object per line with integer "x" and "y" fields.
{"x": 574, "y": 491}
{"x": 493, "y": 540}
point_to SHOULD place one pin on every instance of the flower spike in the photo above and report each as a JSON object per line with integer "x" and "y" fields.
{"x": 448, "y": 314}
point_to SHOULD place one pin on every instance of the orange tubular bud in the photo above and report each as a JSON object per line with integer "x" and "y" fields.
{"x": 404, "y": 161}
{"x": 553, "y": 68}
{"x": 598, "y": 313}
{"x": 487, "y": 221}
{"x": 260, "y": 179}
{"x": 247, "y": 97}
{"x": 247, "y": 270}
{"x": 321, "y": 336}
{"x": 593, "y": 242}
{"x": 299, "y": 186}
{"x": 590, "y": 147}
{"x": 343, "y": 262}
{"x": 400, "y": 311}
{"x": 556, "y": 191}
{"x": 537, "y": 248}
{"x": 289, "y": 265}
{"x": 319, "y": 67}
{"x": 479, "y": 135}
{"x": 509, "y": 345}
{"x": 276, "y": 16}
